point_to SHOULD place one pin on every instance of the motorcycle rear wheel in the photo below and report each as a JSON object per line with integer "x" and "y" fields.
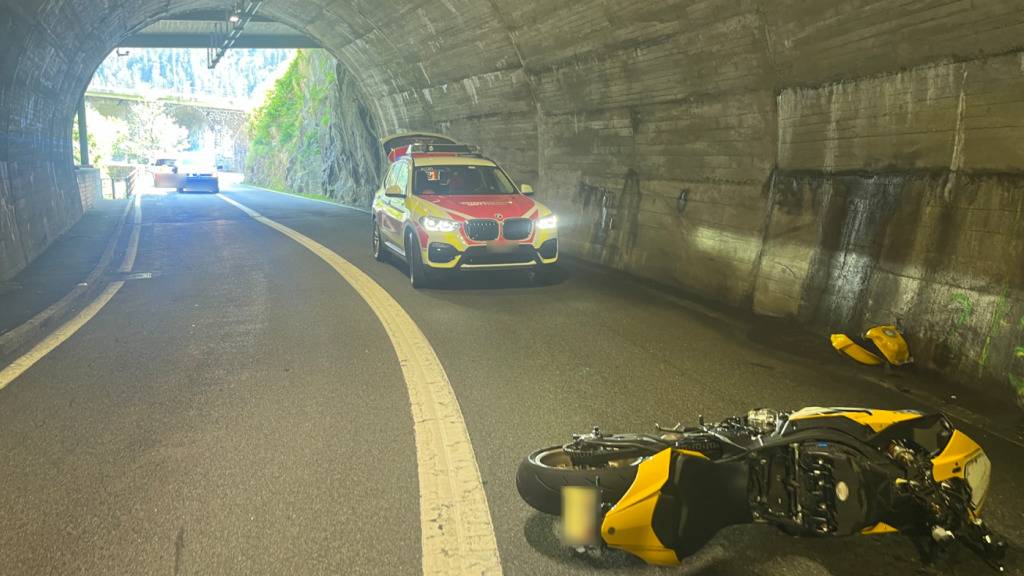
{"x": 543, "y": 473}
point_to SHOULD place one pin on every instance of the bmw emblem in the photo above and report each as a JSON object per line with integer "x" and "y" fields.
{"x": 498, "y": 217}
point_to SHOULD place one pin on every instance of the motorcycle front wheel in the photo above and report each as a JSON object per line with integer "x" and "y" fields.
{"x": 544, "y": 473}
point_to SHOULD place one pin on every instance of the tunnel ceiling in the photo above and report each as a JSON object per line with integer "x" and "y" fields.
{"x": 464, "y": 65}
{"x": 194, "y": 29}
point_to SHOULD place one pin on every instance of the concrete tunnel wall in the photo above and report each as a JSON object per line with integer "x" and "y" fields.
{"x": 838, "y": 161}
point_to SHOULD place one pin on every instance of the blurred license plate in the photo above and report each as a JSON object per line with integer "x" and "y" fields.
{"x": 500, "y": 248}
{"x": 581, "y": 515}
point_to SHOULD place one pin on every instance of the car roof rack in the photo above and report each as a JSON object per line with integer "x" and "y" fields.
{"x": 441, "y": 149}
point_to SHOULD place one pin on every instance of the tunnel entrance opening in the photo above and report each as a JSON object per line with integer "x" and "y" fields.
{"x": 147, "y": 110}
{"x": 303, "y": 127}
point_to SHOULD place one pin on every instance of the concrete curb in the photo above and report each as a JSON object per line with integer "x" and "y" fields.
{"x": 35, "y": 328}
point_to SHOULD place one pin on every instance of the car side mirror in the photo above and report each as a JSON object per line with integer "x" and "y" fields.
{"x": 394, "y": 191}
{"x": 526, "y": 189}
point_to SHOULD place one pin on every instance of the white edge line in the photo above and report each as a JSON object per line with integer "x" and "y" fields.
{"x": 328, "y": 202}
{"x": 456, "y": 532}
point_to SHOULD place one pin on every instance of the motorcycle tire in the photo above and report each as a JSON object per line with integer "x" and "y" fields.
{"x": 542, "y": 475}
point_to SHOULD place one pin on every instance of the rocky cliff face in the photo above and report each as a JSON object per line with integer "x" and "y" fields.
{"x": 314, "y": 135}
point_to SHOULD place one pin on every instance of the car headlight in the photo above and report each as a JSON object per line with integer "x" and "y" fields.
{"x": 548, "y": 223}
{"x": 439, "y": 224}
{"x": 977, "y": 473}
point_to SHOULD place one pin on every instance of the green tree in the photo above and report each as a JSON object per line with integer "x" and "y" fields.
{"x": 108, "y": 138}
{"x": 152, "y": 130}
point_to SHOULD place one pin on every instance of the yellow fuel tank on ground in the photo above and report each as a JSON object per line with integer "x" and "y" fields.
{"x": 891, "y": 344}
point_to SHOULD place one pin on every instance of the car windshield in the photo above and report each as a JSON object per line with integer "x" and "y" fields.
{"x": 196, "y": 164}
{"x": 461, "y": 181}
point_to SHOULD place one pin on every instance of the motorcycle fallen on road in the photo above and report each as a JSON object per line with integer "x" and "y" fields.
{"x": 824, "y": 472}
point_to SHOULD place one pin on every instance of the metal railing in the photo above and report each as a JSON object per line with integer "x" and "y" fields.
{"x": 123, "y": 179}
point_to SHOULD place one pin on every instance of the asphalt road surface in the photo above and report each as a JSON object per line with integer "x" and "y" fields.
{"x": 243, "y": 411}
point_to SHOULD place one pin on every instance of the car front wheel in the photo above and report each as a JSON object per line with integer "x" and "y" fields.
{"x": 419, "y": 275}
{"x": 377, "y": 248}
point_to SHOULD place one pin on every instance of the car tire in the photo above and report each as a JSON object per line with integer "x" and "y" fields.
{"x": 419, "y": 275}
{"x": 376, "y": 244}
{"x": 540, "y": 485}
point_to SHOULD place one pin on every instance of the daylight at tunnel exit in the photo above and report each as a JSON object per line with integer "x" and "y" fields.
{"x": 705, "y": 287}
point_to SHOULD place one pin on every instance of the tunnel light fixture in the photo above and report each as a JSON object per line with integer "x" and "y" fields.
{"x": 235, "y": 16}
{"x": 222, "y": 41}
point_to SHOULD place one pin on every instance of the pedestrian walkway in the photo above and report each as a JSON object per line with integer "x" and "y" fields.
{"x": 65, "y": 264}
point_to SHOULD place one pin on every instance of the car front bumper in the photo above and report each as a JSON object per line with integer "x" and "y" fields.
{"x": 456, "y": 250}
{"x": 444, "y": 256}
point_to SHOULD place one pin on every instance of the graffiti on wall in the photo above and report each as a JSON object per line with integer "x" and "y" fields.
{"x": 1017, "y": 380}
{"x": 999, "y": 314}
{"x": 963, "y": 312}
{"x": 963, "y": 309}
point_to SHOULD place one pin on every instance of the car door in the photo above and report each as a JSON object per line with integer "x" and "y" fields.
{"x": 394, "y": 212}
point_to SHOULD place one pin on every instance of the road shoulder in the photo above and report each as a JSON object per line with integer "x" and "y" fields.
{"x": 62, "y": 281}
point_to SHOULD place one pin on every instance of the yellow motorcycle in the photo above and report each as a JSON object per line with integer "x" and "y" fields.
{"x": 825, "y": 472}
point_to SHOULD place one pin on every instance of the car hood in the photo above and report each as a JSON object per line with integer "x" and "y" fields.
{"x": 494, "y": 207}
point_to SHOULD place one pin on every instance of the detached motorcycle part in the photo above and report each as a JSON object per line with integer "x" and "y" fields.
{"x": 844, "y": 345}
{"x": 890, "y": 343}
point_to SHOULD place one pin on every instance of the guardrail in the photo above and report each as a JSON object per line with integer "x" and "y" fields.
{"x": 124, "y": 179}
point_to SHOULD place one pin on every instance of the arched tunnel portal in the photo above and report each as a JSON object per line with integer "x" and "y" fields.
{"x": 830, "y": 161}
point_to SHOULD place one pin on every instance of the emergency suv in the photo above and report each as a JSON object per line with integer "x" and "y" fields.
{"x": 443, "y": 206}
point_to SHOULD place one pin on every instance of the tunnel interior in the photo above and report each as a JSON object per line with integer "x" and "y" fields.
{"x": 836, "y": 162}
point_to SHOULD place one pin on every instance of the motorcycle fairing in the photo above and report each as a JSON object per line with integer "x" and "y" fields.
{"x": 876, "y": 420}
{"x": 629, "y": 525}
{"x": 890, "y": 343}
{"x": 887, "y": 340}
{"x": 678, "y": 501}
{"x": 845, "y": 345}
{"x": 880, "y": 528}
{"x": 951, "y": 461}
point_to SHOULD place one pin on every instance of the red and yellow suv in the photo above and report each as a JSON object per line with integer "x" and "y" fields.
{"x": 443, "y": 206}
